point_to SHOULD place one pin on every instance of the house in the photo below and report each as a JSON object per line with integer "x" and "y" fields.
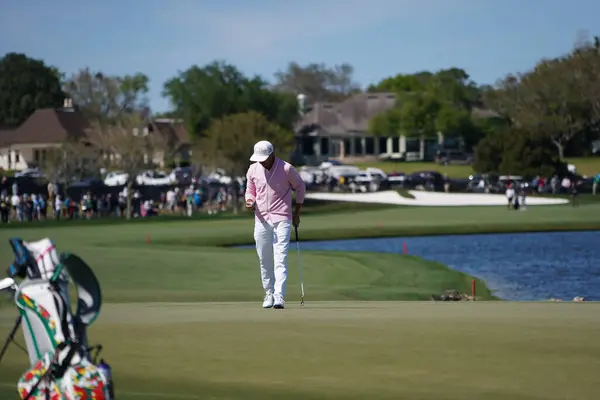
{"x": 177, "y": 138}
{"x": 26, "y": 146}
{"x": 6, "y": 133}
{"x": 48, "y": 128}
{"x": 340, "y": 130}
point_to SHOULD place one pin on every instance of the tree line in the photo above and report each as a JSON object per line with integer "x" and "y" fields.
{"x": 526, "y": 123}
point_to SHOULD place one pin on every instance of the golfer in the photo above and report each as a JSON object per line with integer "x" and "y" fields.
{"x": 270, "y": 182}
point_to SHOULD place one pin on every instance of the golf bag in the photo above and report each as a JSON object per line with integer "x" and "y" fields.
{"x": 61, "y": 363}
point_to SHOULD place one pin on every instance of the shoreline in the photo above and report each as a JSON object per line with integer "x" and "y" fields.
{"x": 390, "y": 232}
{"x": 191, "y": 262}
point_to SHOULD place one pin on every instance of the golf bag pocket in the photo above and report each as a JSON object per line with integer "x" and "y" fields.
{"x": 46, "y": 318}
{"x": 84, "y": 381}
{"x": 30, "y": 379}
{"x": 81, "y": 381}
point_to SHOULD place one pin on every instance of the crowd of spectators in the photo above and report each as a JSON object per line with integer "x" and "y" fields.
{"x": 16, "y": 206}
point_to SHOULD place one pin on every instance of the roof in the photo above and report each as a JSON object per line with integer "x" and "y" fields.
{"x": 484, "y": 113}
{"x": 173, "y": 130}
{"x": 60, "y": 125}
{"x": 48, "y": 126}
{"x": 356, "y": 112}
{"x": 348, "y": 117}
{"x": 6, "y": 136}
{"x": 352, "y": 116}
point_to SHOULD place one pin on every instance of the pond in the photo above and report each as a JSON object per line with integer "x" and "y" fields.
{"x": 522, "y": 266}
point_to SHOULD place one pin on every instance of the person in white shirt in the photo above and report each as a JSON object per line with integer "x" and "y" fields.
{"x": 566, "y": 184}
{"x": 57, "y": 206}
{"x": 523, "y": 197}
{"x": 510, "y": 194}
{"x": 171, "y": 200}
{"x": 15, "y": 202}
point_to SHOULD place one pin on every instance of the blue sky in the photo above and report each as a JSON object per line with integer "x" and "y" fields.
{"x": 488, "y": 38}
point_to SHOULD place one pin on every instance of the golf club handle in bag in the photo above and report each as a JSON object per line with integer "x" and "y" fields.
{"x": 24, "y": 264}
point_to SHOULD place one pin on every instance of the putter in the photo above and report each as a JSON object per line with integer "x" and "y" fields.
{"x": 300, "y": 268}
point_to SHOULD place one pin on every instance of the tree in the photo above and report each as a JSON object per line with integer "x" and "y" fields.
{"x": 452, "y": 85}
{"x": 73, "y": 160}
{"x": 318, "y": 82}
{"x": 428, "y": 103}
{"x": 127, "y": 145}
{"x": 201, "y": 94}
{"x": 513, "y": 151}
{"x": 544, "y": 102}
{"x": 26, "y": 85}
{"x": 386, "y": 123}
{"x": 401, "y": 84}
{"x": 418, "y": 115}
{"x": 559, "y": 99}
{"x": 99, "y": 96}
{"x": 229, "y": 141}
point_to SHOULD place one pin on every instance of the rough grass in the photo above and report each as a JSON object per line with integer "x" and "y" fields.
{"x": 588, "y": 166}
{"x": 453, "y": 171}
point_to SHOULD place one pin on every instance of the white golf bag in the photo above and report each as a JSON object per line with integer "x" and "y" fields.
{"x": 61, "y": 366}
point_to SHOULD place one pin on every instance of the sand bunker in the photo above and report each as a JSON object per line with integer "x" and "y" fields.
{"x": 434, "y": 199}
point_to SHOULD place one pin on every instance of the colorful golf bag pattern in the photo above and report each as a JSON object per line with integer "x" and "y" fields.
{"x": 56, "y": 338}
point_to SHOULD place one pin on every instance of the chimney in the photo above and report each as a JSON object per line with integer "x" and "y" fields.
{"x": 68, "y": 104}
{"x": 301, "y": 103}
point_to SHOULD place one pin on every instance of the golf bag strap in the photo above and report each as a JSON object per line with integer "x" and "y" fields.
{"x": 59, "y": 369}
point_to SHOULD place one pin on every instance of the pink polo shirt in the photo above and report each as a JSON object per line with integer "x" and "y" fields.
{"x": 272, "y": 190}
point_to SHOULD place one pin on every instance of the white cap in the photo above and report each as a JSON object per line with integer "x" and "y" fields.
{"x": 262, "y": 151}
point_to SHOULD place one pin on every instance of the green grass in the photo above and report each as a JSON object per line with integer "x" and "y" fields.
{"x": 347, "y": 350}
{"x": 588, "y": 166}
{"x": 453, "y": 171}
{"x": 183, "y": 317}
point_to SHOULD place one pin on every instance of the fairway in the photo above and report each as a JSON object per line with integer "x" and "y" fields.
{"x": 588, "y": 166}
{"x": 183, "y": 320}
{"x": 341, "y": 350}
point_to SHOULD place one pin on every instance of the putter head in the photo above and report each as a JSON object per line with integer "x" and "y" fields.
{"x": 8, "y": 284}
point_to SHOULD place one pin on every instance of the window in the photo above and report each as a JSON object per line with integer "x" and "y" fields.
{"x": 413, "y": 145}
{"x": 17, "y": 157}
{"x": 358, "y": 145}
{"x": 37, "y": 156}
{"x": 347, "y": 147}
{"x": 383, "y": 145}
{"x": 325, "y": 146}
{"x": 370, "y": 145}
{"x": 308, "y": 148}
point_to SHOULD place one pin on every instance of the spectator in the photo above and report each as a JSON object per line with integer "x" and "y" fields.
{"x": 4, "y": 209}
{"x": 15, "y": 203}
{"x": 510, "y": 195}
{"x": 57, "y": 206}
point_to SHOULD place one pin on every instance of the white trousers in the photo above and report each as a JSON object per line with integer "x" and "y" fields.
{"x": 272, "y": 245}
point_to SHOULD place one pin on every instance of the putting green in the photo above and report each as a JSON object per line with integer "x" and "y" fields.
{"x": 341, "y": 350}
{"x": 189, "y": 336}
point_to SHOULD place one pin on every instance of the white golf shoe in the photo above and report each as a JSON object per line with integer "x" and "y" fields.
{"x": 279, "y": 302}
{"x": 268, "y": 302}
